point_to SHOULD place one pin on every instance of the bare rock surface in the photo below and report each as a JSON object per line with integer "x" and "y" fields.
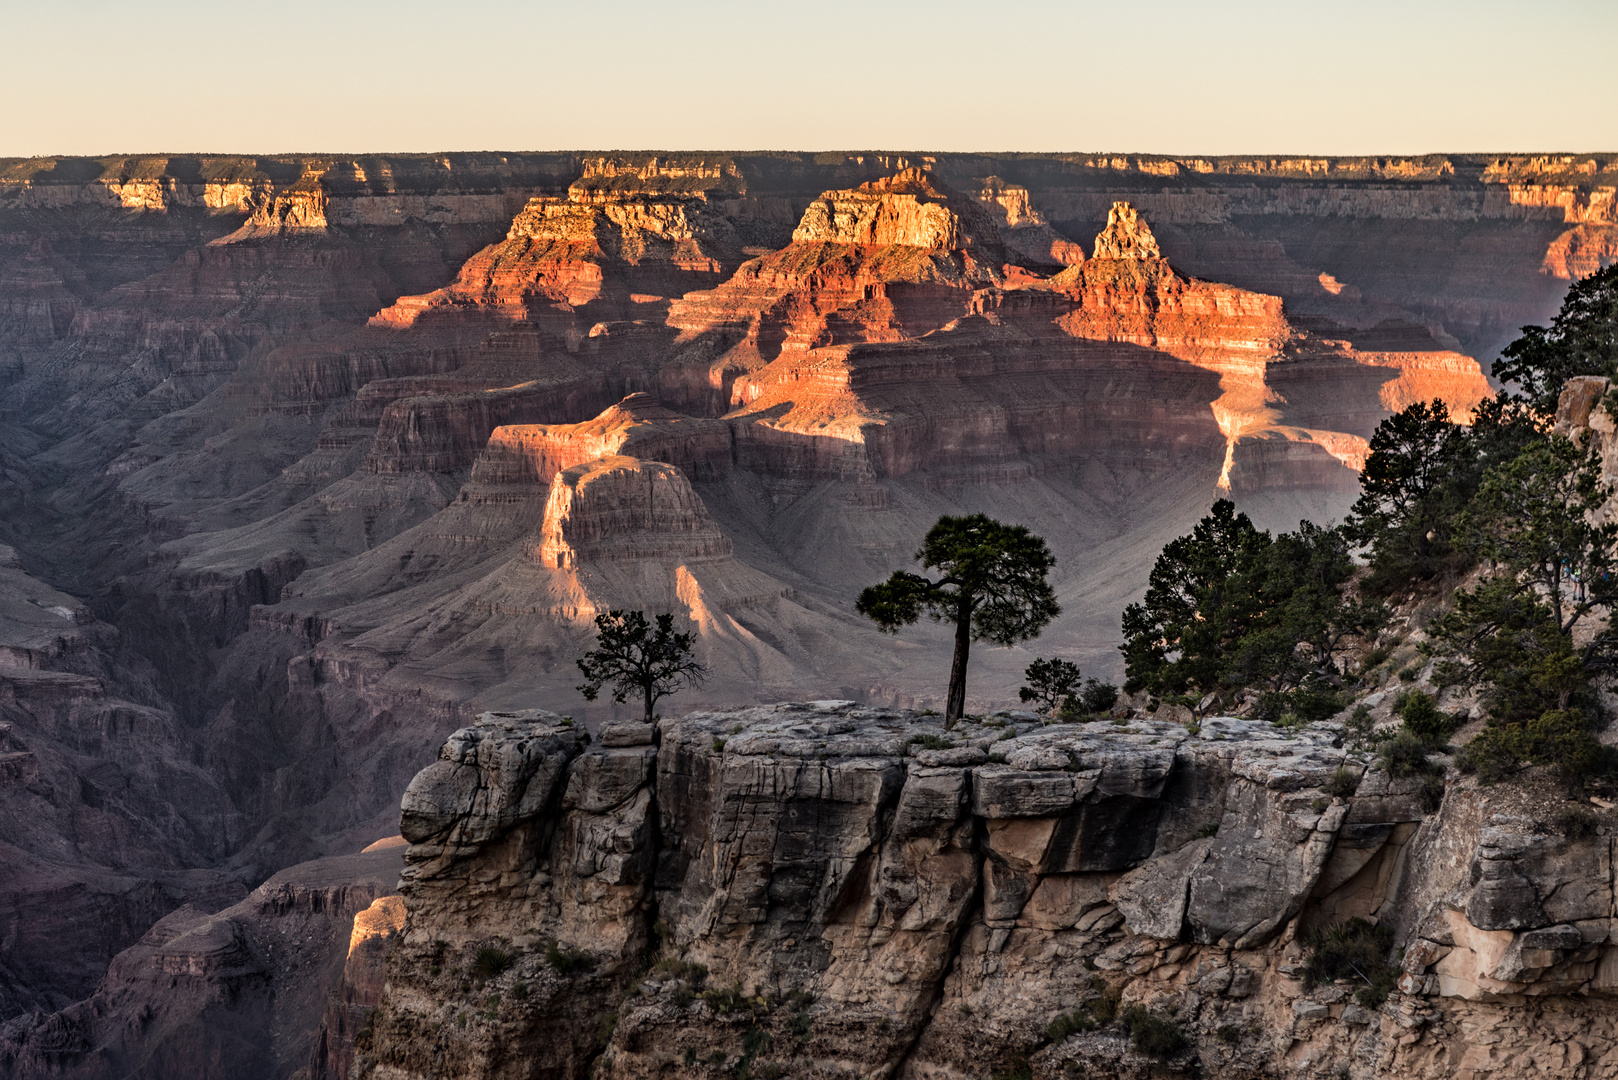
{"x": 814, "y": 889}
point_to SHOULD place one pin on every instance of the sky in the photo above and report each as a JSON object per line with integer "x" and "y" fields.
{"x": 1149, "y": 76}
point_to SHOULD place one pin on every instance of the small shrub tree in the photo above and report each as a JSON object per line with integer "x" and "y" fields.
{"x": 1098, "y": 696}
{"x": 1051, "y": 683}
{"x": 1354, "y": 950}
{"x": 1423, "y": 720}
{"x": 634, "y": 657}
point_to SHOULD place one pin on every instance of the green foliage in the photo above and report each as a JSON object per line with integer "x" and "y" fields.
{"x": 1207, "y": 828}
{"x": 801, "y": 1025}
{"x": 1097, "y": 1010}
{"x": 1423, "y": 720}
{"x": 1416, "y": 479}
{"x": 1228, "y": 606}
{"x": 1560, "y": 738}
{"x": 1509, "y": 641}
{"x": 755, "y": 1040}
{"x": 1355, "y": 950}
{"x": 490, "y": 961}
{"x": 568, "y": 962}
{"x": 930, "y": 742}
{"x": 1343, "y": 783}
{"x": 635, "y": 657}
{"x": 1069, "y": 1023}
{"x": 1229, "y": 1034}
{"x": 1514, "y": 633}
{"x": 1360, "y": 727}
{"x": 992, "y": 586}
{"x": 1576, "y": 823}
{"x": 1051, "y": 683}
{"x": 1314, "y": 701}
{"x": 732, "y": 999}
{"x": 1404, "y": 755}
{"x": 1581, "y": 340}
{"x": 1151, "y": 1034}
{"x": 1103, "y": 1004}
{"x": 1097, "y": 696}
{"x": 1421, "y": 473}
{"x": 1532, "y": 516}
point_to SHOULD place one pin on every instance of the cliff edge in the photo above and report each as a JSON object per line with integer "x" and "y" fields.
{"x": 838, "y": 890}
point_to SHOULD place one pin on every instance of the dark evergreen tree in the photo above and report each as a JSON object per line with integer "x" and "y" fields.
{"x": 635, "y": 657}
{"x": 1581, "y": 340}
{"x": 1051, "y": 683}
{"x": 991, "y": 586}
{"x": 1229, "y": 608}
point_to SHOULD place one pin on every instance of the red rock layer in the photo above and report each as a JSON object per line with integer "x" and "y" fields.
{"x": 638, "y": 426}
{"x": 611, "y": 253}
{"x": 964, "y": 402}
{"x": 890, "y": 260}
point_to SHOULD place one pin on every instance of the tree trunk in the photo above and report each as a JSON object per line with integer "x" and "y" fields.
{"x": 650, "y": 702}
{"x": 956, "y": 707}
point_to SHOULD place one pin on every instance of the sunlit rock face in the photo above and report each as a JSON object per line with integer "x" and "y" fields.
{"x": 283, "y": 435}
{"x": 609, "y": 249}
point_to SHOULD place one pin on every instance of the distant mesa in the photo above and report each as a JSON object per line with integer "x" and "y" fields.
{"x": 911, "y": 208}
{"x": 607, "y": 246}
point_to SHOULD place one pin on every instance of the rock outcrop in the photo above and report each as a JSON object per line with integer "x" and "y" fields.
{"x": 854, "y": 891}
{"x": 602, "y": 251}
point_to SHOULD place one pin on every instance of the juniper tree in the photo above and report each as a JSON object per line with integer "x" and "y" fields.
{"x": 634, "y": 657}
{"x": 1051, "y": 683}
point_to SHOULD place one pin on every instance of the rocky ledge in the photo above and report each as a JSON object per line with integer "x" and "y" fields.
{"x": 837, "y": 890}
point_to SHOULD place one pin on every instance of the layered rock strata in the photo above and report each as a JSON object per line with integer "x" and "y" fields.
{"x": 843, "y": 890}
{"x": 93, "y": 847}
{"x": 239, "y": 993}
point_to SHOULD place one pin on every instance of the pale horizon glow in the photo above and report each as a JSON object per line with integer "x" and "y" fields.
{"x": 90, "y": 77}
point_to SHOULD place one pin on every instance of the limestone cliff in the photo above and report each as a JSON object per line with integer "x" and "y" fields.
{"x": 831, "y": 889}
{"x": 889, "y": 260}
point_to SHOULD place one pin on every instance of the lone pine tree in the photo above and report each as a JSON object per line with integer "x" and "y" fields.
{"x": 991, "y": 586}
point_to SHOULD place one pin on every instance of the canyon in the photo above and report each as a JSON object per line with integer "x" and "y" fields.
{"x": 306, "y": 462}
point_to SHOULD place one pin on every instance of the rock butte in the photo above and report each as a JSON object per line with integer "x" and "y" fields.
{"x": 306, "y": 461}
